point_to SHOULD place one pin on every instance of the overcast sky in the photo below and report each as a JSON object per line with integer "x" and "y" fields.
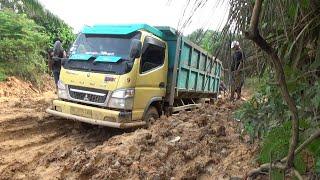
{"x": 78, "y": 13}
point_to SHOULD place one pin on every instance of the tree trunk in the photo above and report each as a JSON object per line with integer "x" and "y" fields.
{"x": 254, "y": 35}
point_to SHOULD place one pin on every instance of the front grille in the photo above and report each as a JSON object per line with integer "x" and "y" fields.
{"x": 88, "y": 94}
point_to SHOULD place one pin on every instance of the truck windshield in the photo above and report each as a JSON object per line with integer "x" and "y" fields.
{"x": 102, "y": 45}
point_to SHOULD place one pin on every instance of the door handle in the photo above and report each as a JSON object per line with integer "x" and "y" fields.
{"x": 161, "y": 85}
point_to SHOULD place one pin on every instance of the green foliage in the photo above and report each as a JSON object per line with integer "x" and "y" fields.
{"x": 292, "y": 30}
{"x": 2, "y": 76}
{"x": 277, "y": 174}
{"x": 55, "y": 28}
{"x": 317, "y": 166}
{"x": 209, "y": 40}
{"x": 275, "y": 146}
{"x": 52, "y": 25}
{"x": 253, "y": 83}
{"x": 275, "y": 143}
{"x": 27, "y": 31}
{"x": 266, "y": 116}
{"x": 264, "y": 110}
{"x": 21, "y": 46}
{"x": 314, "y": 95}
{"x": 314, "y": 148}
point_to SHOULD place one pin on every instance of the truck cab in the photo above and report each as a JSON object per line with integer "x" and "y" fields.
{"x": 112, "y": 75}
{"x": 125, "y": 76}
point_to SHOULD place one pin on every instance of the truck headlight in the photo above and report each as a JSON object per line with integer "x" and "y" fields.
{"x": 122, "y": 99}
{"x": 62, "y": 90}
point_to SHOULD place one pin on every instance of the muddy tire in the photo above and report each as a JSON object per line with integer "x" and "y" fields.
{"x": 150, "y": 116}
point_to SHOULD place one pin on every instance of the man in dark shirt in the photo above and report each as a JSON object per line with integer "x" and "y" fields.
{"x": 58, "y": 53}
{"x": 237, "y": 78}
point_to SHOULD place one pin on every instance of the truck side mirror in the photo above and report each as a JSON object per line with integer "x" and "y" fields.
{"x": 135, "y": 49}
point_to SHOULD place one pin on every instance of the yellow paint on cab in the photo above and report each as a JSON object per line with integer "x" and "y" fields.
{"x": 92, "y": 112}
{"x": 147, "y": 83}
{"x": 146, "y": 86}
{"x": 88, "y": 79}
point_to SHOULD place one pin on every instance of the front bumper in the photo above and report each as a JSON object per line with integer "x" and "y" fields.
{"x": 93, "y": 115}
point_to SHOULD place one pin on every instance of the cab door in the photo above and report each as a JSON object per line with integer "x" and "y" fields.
{"x": 152, "y": 77}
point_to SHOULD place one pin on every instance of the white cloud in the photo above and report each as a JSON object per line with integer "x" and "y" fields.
{"x": 78, "y": 13}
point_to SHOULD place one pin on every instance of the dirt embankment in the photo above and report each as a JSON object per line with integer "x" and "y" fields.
{"x": 203, "y": 144}
{"x": 17, "y": 88}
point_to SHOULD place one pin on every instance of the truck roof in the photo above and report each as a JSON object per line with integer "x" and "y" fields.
{"x": 164, "y": 32}
{"x": 124, "y": 29}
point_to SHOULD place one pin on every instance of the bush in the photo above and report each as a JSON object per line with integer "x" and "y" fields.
{"x": 266, "y": 116}
{"x": 2, "y": 76}
{"x": 22, "y": 46}
{"x": 276, "y": 143}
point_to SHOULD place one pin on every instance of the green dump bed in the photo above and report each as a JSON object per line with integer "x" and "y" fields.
{"x": 193, "y": 73}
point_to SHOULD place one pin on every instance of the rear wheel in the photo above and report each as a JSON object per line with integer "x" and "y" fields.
{"x": 151, "y": 115}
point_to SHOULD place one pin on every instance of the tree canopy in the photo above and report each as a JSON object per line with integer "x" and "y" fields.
{"x": 209, "y": 40}
{"x": 27, "y": 31}
{"x": 22, "y": 44}
{"x": 54, "y": 27}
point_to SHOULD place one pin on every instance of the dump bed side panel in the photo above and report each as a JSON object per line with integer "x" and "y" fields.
{"x": 193, "y": 73}
{"x": 198, "y": 73}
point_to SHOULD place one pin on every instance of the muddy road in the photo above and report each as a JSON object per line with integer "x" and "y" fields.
{"x": 200, "y": 144}
{"x": 28, "y": 135}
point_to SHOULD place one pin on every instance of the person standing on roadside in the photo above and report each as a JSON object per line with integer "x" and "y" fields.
{"x": 237, "y": 78}
{"x": 58, "y": 53}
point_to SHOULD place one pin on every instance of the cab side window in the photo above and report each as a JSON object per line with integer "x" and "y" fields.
{"x": 152, "y": 58}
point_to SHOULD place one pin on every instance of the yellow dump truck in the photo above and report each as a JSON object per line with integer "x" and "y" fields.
{"x": 125, "y": 76}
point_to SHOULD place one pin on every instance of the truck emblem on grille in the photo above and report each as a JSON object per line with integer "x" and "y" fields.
{"x": 86, "y": 98}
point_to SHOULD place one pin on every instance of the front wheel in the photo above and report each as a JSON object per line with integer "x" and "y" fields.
{"x": 151, "y": 115}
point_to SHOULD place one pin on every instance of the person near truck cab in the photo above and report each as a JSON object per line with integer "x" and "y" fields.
{"x": 58, "y": 53}
{"x": 237, "y": 78}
